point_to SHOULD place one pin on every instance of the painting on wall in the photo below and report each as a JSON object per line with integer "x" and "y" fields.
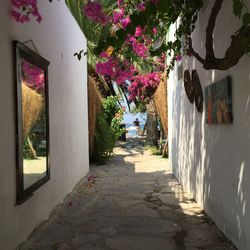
{"x": 218, "y": 100}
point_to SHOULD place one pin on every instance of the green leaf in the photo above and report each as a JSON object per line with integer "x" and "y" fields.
{"x": 135, "y": 19}
{"x": 237, "y": 7}
{"x": 111, "y": 41}
{"x": 163, "y": 6}
{"x": 121, "y": 35}
{"x": 79, "y": 55}
{"x": 246, "y": 19}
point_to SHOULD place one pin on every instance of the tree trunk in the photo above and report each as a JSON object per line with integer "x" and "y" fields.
{"x": 144, "y": 128}
{"x": 165, "y": 150}
{"x": 152, "y": 128}
{"x": 32, "y": 152}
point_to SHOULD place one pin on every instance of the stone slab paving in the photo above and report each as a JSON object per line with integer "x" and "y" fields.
{"x": 135, "y": 203}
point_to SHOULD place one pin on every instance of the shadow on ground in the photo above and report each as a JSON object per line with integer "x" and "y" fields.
{"x": 132, "y": 146}
{"x": 135, "y": 203}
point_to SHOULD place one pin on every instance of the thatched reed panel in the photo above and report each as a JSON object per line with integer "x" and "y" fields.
{"x": 161, "y": 103}
{"x": 32, "y": 105}
{"x": 95, "y": 106}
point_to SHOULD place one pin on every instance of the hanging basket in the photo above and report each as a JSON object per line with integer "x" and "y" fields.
{"x": 198, "y": 93}
{"x": 189, "y": 87}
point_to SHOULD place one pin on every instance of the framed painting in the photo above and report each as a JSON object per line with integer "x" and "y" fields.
{"x": 218, "y": 101}
{"x": 32, "y": 121}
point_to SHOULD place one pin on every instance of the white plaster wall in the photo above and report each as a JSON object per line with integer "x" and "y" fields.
{"x": 57, "y": 37}
{"x": 213, "y": 161}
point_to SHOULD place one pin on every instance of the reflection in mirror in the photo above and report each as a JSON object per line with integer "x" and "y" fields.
{"x": 34, "y": 123}
{"x": 31, "y": 80}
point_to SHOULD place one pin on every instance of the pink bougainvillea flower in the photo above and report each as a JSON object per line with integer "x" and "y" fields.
{"x": 144, "y": 86}
{"x": 138, "y": 31}
{"x": 118, "y": 15}
{"x": 178, "y": 58}
{"x": 119, "y": 3}
{"x": 155, "y": 30}
{"x": 147, "y": 40}
{"x": 94, "y": 11}
{"x": 139, "y": 48}
{"x": 104, "y": 68}
{"x": 104, "y": 54}
{"x": 33, "y": 76}
{"x": 16, "y": 15}
{"x": 125, "y": 22}
{"x": 141, "y": 6}
{"x": 119, "y": 71}
{"x": 160, "y": 62}
{"x": 24, "y": 19}
{"x": 92, "y": 177}
{"x": 21, "y": 10}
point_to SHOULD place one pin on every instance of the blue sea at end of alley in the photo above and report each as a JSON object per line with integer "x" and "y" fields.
{"x": 131, "y": 130}
{"x": 128, "y": 120}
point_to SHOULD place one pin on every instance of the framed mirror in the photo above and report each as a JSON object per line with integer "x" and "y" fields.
{"x": 31, "y": 82}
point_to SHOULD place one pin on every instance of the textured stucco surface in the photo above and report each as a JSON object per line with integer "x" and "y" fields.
{"x": 212, "y": 161}
{"x": 57, "y": 37}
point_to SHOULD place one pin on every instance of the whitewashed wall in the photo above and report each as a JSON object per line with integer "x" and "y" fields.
{"x": 213, "y": 161}
{"x": 57, "y": 38}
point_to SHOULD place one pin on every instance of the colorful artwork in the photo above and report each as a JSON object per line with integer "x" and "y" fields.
{"x": 219, "y": 102}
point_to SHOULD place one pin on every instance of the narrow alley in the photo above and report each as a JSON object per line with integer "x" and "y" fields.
{"x": 133, "y": 202}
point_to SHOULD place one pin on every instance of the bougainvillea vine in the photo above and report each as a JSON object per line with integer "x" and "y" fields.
{"x": 32, "y": 76}
{"x": 22, "y": 10}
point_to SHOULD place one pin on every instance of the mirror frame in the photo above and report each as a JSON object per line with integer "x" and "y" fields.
{"x": 23, "y": 52}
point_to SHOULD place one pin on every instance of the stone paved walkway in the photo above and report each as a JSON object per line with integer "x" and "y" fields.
{"x": 135, "y": 203}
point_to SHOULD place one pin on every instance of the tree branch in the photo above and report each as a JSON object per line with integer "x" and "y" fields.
{"x": 240, "y": 44}
{"x": 193, "y": 52}
{"x": 210, "y": 30}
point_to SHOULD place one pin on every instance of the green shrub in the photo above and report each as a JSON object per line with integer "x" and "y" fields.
{"x": 107, "y": 130}
{"x": 110, "y": 108}
{"x": 104, "y": 141}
